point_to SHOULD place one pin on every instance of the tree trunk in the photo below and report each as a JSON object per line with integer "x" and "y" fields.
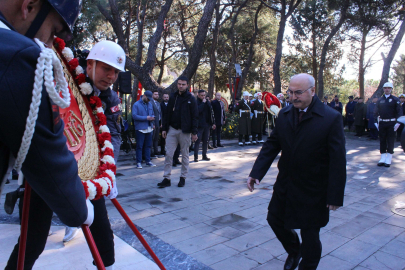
{"x": 362, "y": 69}
{"x": 279, "y": 51}
{"x": 251, "y": 53}
{"x": 213, "y": 58}
{"x": 314, "y": 61}
{"x": 326, "y": 46}
{"x": 388, "y": 60}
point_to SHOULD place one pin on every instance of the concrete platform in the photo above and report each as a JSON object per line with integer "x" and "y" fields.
{"x": 72, "y": 255}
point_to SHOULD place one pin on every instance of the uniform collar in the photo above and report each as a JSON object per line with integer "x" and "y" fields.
{"x": 3, "y": 19}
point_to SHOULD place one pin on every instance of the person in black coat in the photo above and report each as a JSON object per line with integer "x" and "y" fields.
{"x": 205, "y": 122}
{"x": 401, "y": 127}
{"x": 312, "y": 172}
{"x": 219, "y": 114}
{"x": 163, "y": 106}
{"x": 350, "y": 112}
{"x": 335, "y": 104}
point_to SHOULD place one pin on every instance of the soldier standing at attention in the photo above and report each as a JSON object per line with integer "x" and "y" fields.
{"x": 243, "y": 109}
{"x": 258, "y": 118}
{"x": 386, "y": 112}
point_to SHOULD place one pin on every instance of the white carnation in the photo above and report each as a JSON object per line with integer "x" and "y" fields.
{"x": 100, "y": 110}
{"x": 107, "y": 144}
{"x": 104, "y": 186}
{"x": 104, "y": 128}
{"x": 92, "y": 190}
{"x": 112, "y": 175}
{"x": 86, "y": 88}
{"x": 108, "y": 159}
{"x": 79, "y": 70}
{"x": 67, "y": 53}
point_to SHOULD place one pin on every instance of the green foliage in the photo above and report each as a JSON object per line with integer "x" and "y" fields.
{"x": 399, "y": 75}
{"x": 230, "y": 129}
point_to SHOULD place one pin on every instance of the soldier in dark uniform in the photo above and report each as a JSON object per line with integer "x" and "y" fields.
{"x": 360, "y": 111}
{"x": 258, "y": 119}
{"x": 349, "y": 112}
{"x": 244, "y": 111}
{"x": 401, "y": 127}
{"x": 386, "y": 112}
{"x": 49, "y": 167}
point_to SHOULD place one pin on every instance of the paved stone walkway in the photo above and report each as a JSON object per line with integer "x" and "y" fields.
{"x": 214, "y": 222}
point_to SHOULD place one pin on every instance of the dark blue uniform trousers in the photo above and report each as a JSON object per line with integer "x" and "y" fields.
{"x": 387, "y": 137}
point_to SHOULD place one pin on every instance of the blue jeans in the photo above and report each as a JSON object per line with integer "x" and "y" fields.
{"x": 143, "y": 140}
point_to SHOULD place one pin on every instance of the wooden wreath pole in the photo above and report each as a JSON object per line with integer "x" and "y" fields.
{"x": 93, "y": 248}
{"x": 24, "y": 227}
{"x": 137, "y": 233}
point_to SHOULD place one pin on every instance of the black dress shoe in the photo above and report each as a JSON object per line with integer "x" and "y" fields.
{"x": 220, "y": 145}
{"x": 380, "y": 164}
{"x": 165, "y": 183}
{"x": 292, "y": 262}
{"x": 206, "y": 158}
{"x": 387, "y": 165}
{"x": 195, "y": 159}
{"x": 210, "y": 147}
{"x": 182, "y": 182}
{"x": 177, "y": 162}
{"x": 11, "y": 199}
{"x": 214, "y": 146}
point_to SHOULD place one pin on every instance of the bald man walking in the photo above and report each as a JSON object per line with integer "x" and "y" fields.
{"x": 312, "y": 172}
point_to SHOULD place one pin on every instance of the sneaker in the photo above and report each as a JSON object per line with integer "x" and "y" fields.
{"x": 182, "y": 182}
{"x": 70, "y": 233}
{"x": 165, "y": 183}
{"x": 138, "y": 165}
{"x": 247, "y": 143}
{"x": 150, "y": 164}
{"x": 261, "y": 141}
{"x": 254, "y": 142}
{"x": 241, "y": 144}
{"x": 210, "y": 147}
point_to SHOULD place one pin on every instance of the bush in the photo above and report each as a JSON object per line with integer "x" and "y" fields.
{"x": 230, "y": 129}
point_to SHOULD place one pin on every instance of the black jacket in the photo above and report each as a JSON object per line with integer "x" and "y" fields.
{"x": 188, "y": 113}
{"x": 50, "y": 168}
{"x": 205, "y": 114}
{"x": 312, "y": 165}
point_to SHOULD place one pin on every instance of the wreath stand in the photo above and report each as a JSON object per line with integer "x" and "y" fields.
{"x": 86, "y": 232}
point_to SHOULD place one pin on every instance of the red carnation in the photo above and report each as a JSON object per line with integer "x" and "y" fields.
{"x": 103, "y": 137}
{"x": 109, "y": 152}
{"x": 73, "y": 64}
{"x": 104, "y": 174}
{"x": 108, "y": 166}
{"x": 86, "y": 189}
{"x": 59, "y": 44}
{"x": 81, "y": 78}
{"x": 102, "y": 118}
{"x": 96, "y": 100}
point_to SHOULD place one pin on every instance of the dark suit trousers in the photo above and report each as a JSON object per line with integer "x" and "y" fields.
{"x": 203, "y": 136}
{"x": 216, "y": 135}
{"x": 311, "y": 247}
{"x": 155, "y": 140}
{"x": 387, "y": 137}
{"x": 39, "y": 224}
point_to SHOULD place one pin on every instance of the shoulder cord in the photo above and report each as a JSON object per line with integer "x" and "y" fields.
{"x": 44, "y": 75}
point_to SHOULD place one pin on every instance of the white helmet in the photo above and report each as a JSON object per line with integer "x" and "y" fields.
{"x": 110, "y": 53}
{"x": 279, "y": 95}
{"x": 388, "y": 84}
{"x": 246, "y": 93}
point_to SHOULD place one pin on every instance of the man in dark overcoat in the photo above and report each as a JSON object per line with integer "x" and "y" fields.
{"x": 349, "y": 112}
{"x": 336, "y": 104}
{"x": 312, "y": 172}
{"x": 359, "y": 115}
{"x": 258, "y": 118}
{"x": 243, "y": 109}
{"x": 370, "y": 119}
{"x": 219, "y": 114}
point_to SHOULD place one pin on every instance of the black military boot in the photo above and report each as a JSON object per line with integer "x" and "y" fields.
{"x": 11, "y": 200}
{"x": 182, "y": 182}
{"x": 165, "y": 183}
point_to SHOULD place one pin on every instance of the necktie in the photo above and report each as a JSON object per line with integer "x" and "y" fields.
{"x": 300, "y": 116}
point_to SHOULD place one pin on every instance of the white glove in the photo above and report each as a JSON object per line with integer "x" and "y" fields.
{"x": 113, "y": 192}
{"x": 396, "y": 126}
{"x": 90, "y": 213}
{"x": 376, "y": 125}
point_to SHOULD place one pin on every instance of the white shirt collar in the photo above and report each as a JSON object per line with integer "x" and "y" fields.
{"x": 305, "y": 110}
{"x": 387, "y": 96}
